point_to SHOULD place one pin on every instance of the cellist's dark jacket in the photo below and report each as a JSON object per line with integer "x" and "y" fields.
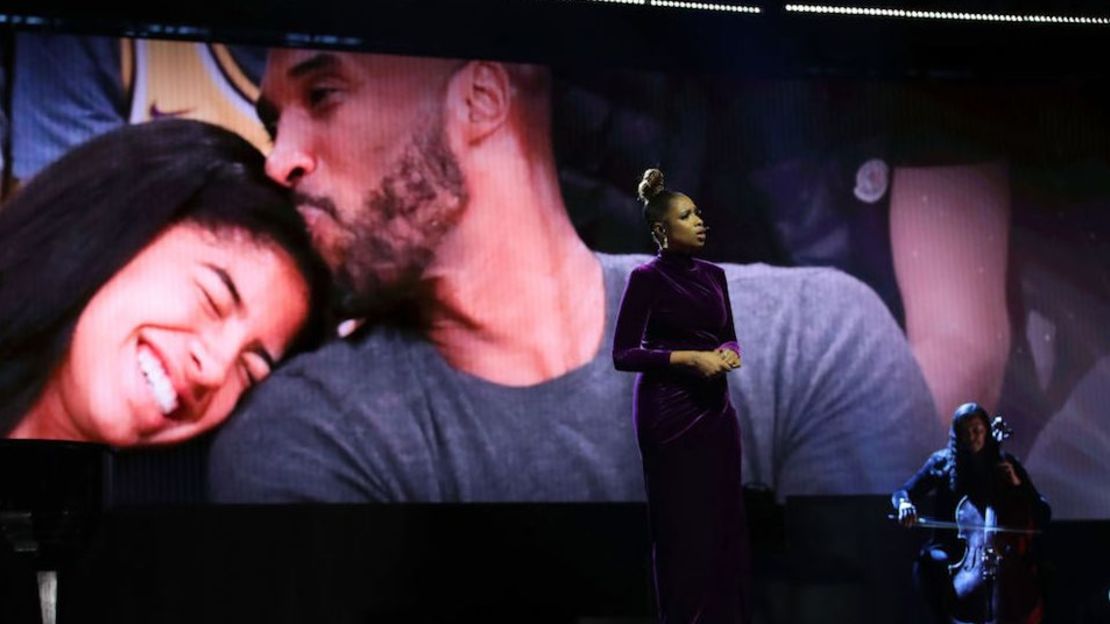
{"x": 935, "y": 476}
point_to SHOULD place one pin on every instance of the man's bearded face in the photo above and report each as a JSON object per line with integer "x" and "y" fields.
{"x": 379, "y": 252}
{"x": 360, "y": 139}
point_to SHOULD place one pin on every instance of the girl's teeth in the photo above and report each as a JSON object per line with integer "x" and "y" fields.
{"x": 158, "y": 381}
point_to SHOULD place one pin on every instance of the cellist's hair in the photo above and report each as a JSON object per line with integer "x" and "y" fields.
{"x": 959, "y": 457}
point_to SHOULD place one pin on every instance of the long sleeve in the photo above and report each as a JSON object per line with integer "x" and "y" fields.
{"x": 920, "y": 484}
{"x": 628, "y": 351}
{"x": 728, "y": 334}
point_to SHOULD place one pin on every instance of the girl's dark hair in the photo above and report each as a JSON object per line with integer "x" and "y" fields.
{"x": 79, "y": 221}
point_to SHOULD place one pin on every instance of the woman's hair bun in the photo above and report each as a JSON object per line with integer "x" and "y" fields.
{"x": 651, "y": 185}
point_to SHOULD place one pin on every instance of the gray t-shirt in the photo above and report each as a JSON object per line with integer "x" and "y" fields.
{"x": 830, "y": 401}
{"x": 1069, "y": 458}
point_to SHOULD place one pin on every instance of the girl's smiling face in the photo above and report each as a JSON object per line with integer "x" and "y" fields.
{"x": 164, "y": 349}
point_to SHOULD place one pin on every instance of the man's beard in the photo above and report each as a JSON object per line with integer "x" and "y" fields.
{"x": 391, "y": 241}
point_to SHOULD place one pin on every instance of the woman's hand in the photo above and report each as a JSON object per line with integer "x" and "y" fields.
{"x": 907, "y": 514}
{"x": 731, "y": 357}
{"x": 708, "y": 363}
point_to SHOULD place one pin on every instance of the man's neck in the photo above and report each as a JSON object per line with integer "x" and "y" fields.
{"x": 517, "y": 298}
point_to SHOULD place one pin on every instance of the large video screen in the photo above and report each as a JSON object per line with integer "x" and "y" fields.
{"x": 364, "y": 277}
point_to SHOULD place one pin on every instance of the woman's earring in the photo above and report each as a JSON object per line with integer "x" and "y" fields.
{"x": 660, "y": 237}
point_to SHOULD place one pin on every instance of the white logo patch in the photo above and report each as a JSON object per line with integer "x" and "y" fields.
{"x": 872, "y": 180}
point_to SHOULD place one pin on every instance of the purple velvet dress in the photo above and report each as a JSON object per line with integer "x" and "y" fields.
{"x": 689, "y": 438}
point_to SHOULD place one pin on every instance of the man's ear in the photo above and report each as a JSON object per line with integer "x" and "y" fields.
{"x": 479, "y": 96}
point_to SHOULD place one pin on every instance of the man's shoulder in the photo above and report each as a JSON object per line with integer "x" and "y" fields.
{"x": 807, "y": 291}
{"x": 755, "y": 273}
{"x": 792, "y": 279}
{"x": 622, "y": 263}
{"x": 766, "y": 288}
{"x": 366, "y": 364}
{"x": 344, "y": 422}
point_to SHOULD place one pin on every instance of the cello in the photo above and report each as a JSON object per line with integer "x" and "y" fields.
{"x": 994, "y": 581}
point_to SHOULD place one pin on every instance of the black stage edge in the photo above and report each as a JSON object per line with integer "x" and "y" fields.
{"x": 839, "y": 560}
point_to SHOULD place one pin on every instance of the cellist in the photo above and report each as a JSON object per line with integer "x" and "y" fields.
{"x": 973, "y": 466}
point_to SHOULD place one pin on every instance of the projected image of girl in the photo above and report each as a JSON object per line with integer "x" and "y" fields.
{"x": 148, "y": 279}
{"x": 675, "y": 328}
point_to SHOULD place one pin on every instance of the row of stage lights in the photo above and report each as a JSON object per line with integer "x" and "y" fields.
{"x": 873, "y": 12}
{"x": 682, "y": 4}
{"x": 944, "y": 15}
{"x": 790, "y": 8}
{"x": 817, "y": 9}
{"x": 734, "y": 8}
